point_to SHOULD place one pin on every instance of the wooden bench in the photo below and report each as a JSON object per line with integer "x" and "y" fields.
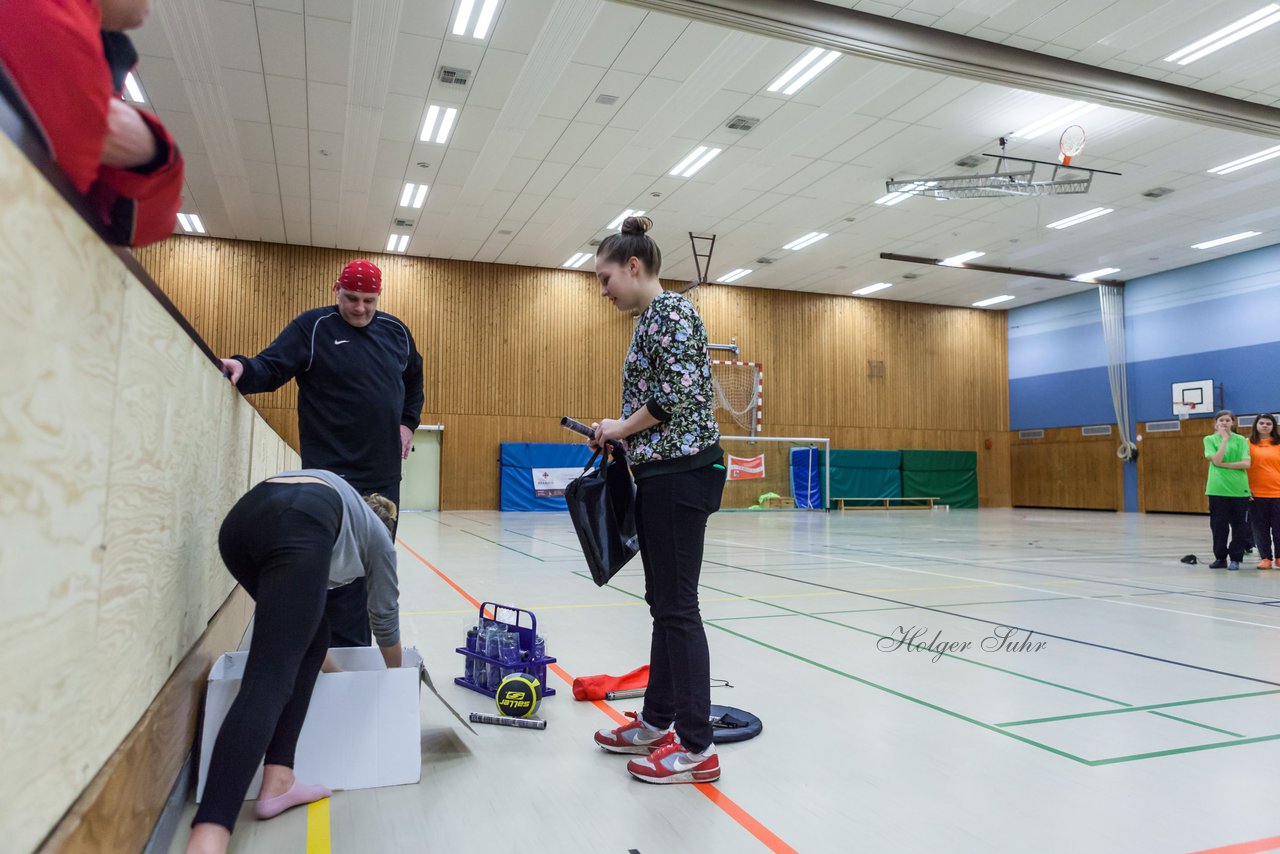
{"x": 776, "y": 503}
{"x": 883, "y": 503}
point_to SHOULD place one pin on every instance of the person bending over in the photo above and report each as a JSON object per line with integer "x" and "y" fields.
{"x": 287, "y": 542}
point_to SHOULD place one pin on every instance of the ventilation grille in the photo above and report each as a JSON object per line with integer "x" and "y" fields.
{"x": 607, "y": 100}
{"x": 765, "y": 260}
{"x": 1096, "y": 430}
{"x": 742, "y": 124}
{"x": 1030, "y": 434}
{"x": 910, "y": 275}
{"x": 1157, "y": 192}
{"x": 454, "y": 76}
{"x": 1164, "y": 426}
{"x": 403, "y": 223}
{"x": 595, "y": 242}
{"x": 969, "y": 162}
{"x": 875, "y": 369}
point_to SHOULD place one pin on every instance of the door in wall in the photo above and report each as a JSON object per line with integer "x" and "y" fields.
{"x": 420, "y": 486}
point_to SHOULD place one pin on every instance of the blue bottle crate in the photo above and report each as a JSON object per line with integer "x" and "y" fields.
{"x": 525, "y": 626}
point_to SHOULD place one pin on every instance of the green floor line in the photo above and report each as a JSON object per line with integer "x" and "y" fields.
{"x": 959, "y": 716}
{"x": 944, "y": 655}
{"x": 1178, "y": 750}
{"x": 907, "y": 697}
{"x": 754, "y": 617}
{"x": 502, "y": 545}
{"x": 1168, "y": 705}
{"x": 1064, "y": 596}
{"x": 1197, "y": 723}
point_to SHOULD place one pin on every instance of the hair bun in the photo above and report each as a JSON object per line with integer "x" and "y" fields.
{"x": 636, "y": 225}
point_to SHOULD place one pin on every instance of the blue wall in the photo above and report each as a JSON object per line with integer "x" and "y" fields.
{"x": 1219, "y": 320}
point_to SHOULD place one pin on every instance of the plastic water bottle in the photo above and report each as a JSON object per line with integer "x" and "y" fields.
{"x": 469, "y": 666}
{"x": 509, "y": 648}
{"x": 540, "y": 652}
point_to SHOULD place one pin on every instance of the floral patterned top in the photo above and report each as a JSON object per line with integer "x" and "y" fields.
{"x": 668, "y": 371}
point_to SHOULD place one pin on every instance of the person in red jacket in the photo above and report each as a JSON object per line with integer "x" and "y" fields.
{"x": 69, "y": 59}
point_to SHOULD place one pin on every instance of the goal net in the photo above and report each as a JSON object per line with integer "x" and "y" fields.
{"x": 739, "y": 388}
{"x": 775, "y": 472}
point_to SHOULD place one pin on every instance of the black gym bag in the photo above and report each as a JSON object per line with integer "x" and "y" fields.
{"x": 602, "y": 507}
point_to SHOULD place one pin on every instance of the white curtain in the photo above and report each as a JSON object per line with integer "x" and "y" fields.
{"x": 1111, "y": 298}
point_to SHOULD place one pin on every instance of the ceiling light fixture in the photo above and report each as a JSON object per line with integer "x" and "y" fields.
{"x": 191, "y": 223}
{"x": 445, "y": 117}
{"x": 1245, "y": 162}
{"x": 983, "y": 303}
{"x": 397, "y": 242}
{"x": 1054, "y": 120}
{"x": 578, "y": 259}
{"x": 620, "y": 217}
{"x": 132, "y": 91}
{"x": 734, "y": 275}
{"x": 808, "y": 240}
{"x": 1231, "y": 33}
{"x": 1093, "y": 213}
{"x": 483, "y": 21}
{"x": 699, "y": 157}
{"x": 803, "y": 70}
{"x": 871, "y": 289}
{"x": 1231, "y": 238}
{"x": 1092, "y": 277}
{"x": 409, "y": 198}
{"x": 958, "y": 260}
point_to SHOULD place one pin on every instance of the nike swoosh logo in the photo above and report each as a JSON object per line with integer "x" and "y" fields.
{"x": 682, "y": 763}
{"x": 343, "y": 341}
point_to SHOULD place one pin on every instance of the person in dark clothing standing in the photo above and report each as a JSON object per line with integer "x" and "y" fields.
{"x": 359, "y": 379}
{"x": 668, "y": 422}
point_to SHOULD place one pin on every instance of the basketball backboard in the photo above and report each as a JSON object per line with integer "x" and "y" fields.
{"x": 1193, "y": 398}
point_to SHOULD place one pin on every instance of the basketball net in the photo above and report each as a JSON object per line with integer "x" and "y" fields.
{"x": 738, "y": 389}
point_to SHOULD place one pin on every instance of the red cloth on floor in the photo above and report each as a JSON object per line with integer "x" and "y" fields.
{"x": 595, "y": 687}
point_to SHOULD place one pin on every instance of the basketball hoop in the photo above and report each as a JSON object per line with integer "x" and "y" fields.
{"x": 1070, "y": 144}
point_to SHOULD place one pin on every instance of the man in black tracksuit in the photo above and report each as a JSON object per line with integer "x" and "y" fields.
{"x": 359, "y": 400}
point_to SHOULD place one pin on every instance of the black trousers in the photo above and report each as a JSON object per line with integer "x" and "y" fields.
{"x": 1227, "y": 517}
{"x": 348, "y": 606}
{"x": 1265, "y": 514}
{"x": 277, "y": 541}
{"x": 671, "y": 520}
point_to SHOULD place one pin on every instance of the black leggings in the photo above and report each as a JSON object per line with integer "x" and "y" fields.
{"x": 1227, "y": 518}
{"x": 1265, "y": 515}
{"x": 671, "y": 520}
{"x": 277, "y": 542}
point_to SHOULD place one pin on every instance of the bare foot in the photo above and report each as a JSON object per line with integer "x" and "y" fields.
{"x": 208, "y": 838}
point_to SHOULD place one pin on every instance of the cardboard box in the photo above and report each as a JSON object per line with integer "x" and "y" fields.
{"x": 362, "y": 729}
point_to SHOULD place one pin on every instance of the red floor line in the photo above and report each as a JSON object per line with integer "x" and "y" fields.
{"x": 726, "y": 804}
{"x": 1257, "y": 846}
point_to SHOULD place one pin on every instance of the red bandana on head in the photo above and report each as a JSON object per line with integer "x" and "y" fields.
{"x": 362, "y": 276}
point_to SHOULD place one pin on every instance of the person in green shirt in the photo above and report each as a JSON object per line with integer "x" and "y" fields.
{"x": 1228, "y": 490}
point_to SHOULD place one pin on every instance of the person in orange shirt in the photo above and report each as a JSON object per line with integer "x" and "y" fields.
{"x": 1264, "y": 484}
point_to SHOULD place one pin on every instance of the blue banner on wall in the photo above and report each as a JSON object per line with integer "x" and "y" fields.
{"x": 534, "y": 474}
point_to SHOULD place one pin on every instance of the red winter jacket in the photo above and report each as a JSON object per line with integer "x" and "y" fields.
{"x": 53, "y": 50}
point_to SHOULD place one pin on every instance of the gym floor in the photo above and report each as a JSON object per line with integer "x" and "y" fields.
{"x": 1143, "y": 716}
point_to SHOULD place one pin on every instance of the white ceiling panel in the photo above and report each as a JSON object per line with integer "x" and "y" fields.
{"x": 577, "y": 86}
{"x": 255, "y": 141}
{"x": 294, "y": 181}
{"x": 517, "y": 174}
{"x": 495, "y": 79}
{"x": 402, "y": 118}
{"x": 325, "y": 185}
{"x": 235, "y": 34}
{"x": 613, "y": 26}
{"x": 246, "y": 95}
{"x": 292, "y": 146}
{"x": 474, "y": 124}
{"x": 655, "y": 36}
{"x": 415, "y": 63}
{"x": 519, "y": 24}
{"x": 425, "y": 19}
{"x": 162, "y": 85}
{"x": 456, "y": 167}
{"x": 283, "y": 35}
{"x": 326, "y": 107}
{"x": 392, "y": 159}
{"x": 644, "y": 103}
{"x": 263, "y": 177}
{"x": 338, "y": 10}
{"x": 287, "y": 101}
{"x": 328, "y": 49}
{"x": 282, "y": 5}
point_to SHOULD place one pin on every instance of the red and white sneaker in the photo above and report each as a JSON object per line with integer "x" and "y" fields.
{"x": 634, "y": 737}
{"x": 671, "y": 763}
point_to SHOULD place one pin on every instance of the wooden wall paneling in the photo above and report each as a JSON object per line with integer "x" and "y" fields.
{"x": 1172, "y": 470}
{"x": 1067, "y": 469}
{"x": 516, "y": 343}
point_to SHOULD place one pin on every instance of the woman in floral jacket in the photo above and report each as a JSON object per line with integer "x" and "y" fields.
{"x": 669, "y": 426}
